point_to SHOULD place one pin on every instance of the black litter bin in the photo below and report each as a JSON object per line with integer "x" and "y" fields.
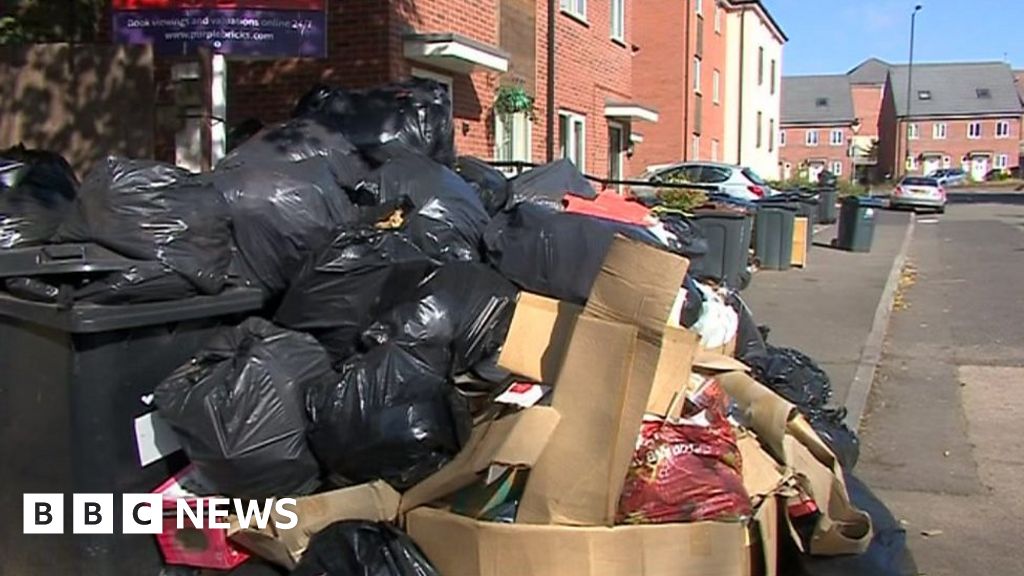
{"x": 773, "y": 236}
{"x": 74, "y": 382}
{"x": 827, "y": 198}
{"x": 728, "y": 234}
{"x": 857, "y": 223}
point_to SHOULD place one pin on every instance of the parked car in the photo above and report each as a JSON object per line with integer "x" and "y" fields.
{"x": 736, "y": 181}
{"x": 948, "y": 176}
{"x": 919, "y": 192}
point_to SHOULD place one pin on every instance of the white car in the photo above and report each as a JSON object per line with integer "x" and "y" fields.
{"x": 736, "y": 181}
{"x": 917, "y": 192}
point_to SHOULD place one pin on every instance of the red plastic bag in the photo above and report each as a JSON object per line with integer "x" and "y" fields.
{"x": 611, "y": 206}
{"x": 688, "y": 470}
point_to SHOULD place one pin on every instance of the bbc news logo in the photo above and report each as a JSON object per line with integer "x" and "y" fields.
{"x": 146, "y": 513}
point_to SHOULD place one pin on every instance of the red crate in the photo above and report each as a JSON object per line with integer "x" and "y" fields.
{"x": 191, "y": 546}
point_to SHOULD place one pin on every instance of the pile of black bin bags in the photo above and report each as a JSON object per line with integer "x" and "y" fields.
{"x": 391, "y": 269}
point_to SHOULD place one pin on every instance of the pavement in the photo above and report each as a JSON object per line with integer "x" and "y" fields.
{"x": 827, "y": 309}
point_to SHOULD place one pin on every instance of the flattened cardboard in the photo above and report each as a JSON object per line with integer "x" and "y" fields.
{"x": 675, "y": 363}
{"x": 711, "y": 361}
{"x": 762, "y": 475}
{"x": 538, "y": 337}
{"x": 516, "y": 440}
{"x": 766, "y": 527}
{"x": 375, "y": 501}
{"x": 580, "y": 474}
{"x": 460, "y": 546}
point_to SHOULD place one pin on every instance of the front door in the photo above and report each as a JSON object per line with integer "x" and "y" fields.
{"x": 616, "y": 153}
{"x": 979, "y": 168}
{"x": 931, "y": 164}
{"x": 814, "y": 169}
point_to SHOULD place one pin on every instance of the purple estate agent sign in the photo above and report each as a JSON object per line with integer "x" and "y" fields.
{"x": 235, "y": 32}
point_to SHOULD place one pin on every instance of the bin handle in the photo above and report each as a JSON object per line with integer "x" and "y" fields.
{"x": 58, "y": 253}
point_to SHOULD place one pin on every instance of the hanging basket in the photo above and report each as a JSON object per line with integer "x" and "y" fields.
{"x": 513, "y": 100}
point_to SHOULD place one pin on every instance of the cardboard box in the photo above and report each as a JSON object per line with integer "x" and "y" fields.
{"x": 374, "y": 502}
{"x": 800, "y": 247}
{"x": 460, "y": 546}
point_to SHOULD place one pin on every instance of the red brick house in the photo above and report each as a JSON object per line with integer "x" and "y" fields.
{"x": 962, "y": 115}
{"x": 817, "y": 127}
{"x": 867, "y": 88}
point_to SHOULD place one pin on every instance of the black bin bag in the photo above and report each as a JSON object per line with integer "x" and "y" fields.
{"x": 887, "y": 555}
{"x": 416, "y": 112}
{"x": 548, "y": 185}
{"x": 239, "y": 409}
{"x": 349, "y": 284}
{"x": 37, "y": 191}
{"x": 282, "y": 213}
{"x": 448, "y": 218}
{"x": 556, "y": 254}
{"x": 490, "y": 184}
{"x": 388, "y": 417}
{"x": 154, "y": 211}
{"x": 463, "y": 308}
{"x": 749, "y": 341}
{"x": 360, "y": 548}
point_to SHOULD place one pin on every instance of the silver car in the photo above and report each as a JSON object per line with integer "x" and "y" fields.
{"x": 919, "y": 192}
{"x": 735, "y": 181}
{"x": 949, "y": 176}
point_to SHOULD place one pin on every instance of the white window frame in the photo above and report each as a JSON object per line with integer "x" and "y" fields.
{"x": 782, "y": 137}
{"x": 716, "y": 80}
{"x": 811, "y": 138}
{"x": 520, "y": 152}
{"x": 572, "y": 145}
{"x": 973, "y": 134}
{"x": 837, "y": 167}
{"x": 714, "y": 150}
{"x": 911, "y": 162}
{"x": 695, "y": 142}
{"x": 618, "y": 8}
{"x": 431, "y": 75}
{"x": 940, "y": 130}
{"x": 1002, "y": 129}
{"x": 620, "y": 161}
{"x": 718, "y": 19}
{"x": 913, "y": 131}
{"x": 698, "y": 6}
{"x": 575, "y": 8}
{"x": 836, "y": 137}
{"x": 1002, "y": 162}
{"x": 696, "y": 74}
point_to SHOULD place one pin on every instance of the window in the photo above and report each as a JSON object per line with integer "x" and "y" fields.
{"x": 835, "y": 138}
{"x": 696, "y": 148}
{"x": 974, "y": 130}
{"x": 771, "y": 135}
{"x": 939, "y": 131}
{"x": 773, "y": 76}
{"x": 619, "y": 20}
{"x": 696, "y": 75}
{"x": 837, "y": 168}
{"x": 924, "y": 94}
{"x": 577, "y": 8}
{"x": 913, "y": 131}
{"x": 616, "y": 151}
{"x": 714, "y": 175}
{"x": 911, "y": 163}
{"x": 572, "y": 136}
{"x": 782, "y": 138}
{"x": 512, "y": 137}
{"x": 760, "y": 66}
{"x": 1002, "y": 129}
{"x": 983, "y": 93}
{"x": 714, "y": 150}
{"x": 716, "y": 79}
{"x": 699, "y": 51}
{"x": 1002, "y": 161}
{"x": 821, "y": 102}
{"x": 698, "y": 114}
{"x": 698, "y": 6}
{"x": 759, "y": 122}
{"x": 811, "y": 138}
{"x": 718, "y": 19}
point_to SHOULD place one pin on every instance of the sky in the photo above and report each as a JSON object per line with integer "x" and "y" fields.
{"x": 833, "y": 36}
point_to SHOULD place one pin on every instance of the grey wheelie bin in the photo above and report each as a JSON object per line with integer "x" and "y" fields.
{"x": 728, "y": 234}
{"x": 857, "y": 223}
{"x": 773, "y": 236}
{"x": 75, "y": 381}
{"x": 827, "y": 198}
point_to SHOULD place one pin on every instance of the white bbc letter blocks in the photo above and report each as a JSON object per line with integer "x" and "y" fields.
{"x": 43, "y": 513}
{"x": 93, "y": 514}
{"x": 142, "y": 514}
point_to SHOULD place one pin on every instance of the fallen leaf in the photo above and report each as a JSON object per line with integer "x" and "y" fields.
{"x": 931, "y": 533}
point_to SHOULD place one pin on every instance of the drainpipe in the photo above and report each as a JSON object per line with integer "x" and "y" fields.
{"x": 739, "y": 125}
{"x": 552, "y": 15}
{"x": 688, "y": 83}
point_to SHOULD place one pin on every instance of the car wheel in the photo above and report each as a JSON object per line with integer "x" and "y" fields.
{"x": 941, "y": 210}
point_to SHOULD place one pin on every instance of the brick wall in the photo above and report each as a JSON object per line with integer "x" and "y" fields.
{"x": 712, "y": 113}
{"x": 660, "y": 78}
{"x": 867, "y": 105}
{"x": 798, "y": 155}
{"x": 957, "y": 145}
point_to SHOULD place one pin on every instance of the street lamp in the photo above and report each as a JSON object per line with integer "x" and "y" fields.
{"x": 910, "y": 79}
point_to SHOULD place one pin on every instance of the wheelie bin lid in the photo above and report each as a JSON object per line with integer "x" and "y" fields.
{"x": 718, "y": 213}
{"x": 83, "y": 318}
{"x": 52, "y": 259}
{"x": 865, "y": 201}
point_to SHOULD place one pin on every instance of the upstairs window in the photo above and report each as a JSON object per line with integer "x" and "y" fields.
{"x": 835, "y": 138}
{"x": 939, "y": 131}
{"x": 983, "y": 93}
{"x": 924, "y": 94}
{"x": 619, "y": 20}
{"x": 913, "y": 131}
{"x": 974, "y": 130}
{"x": 811, "y": 138}
{"x": 1002, "y": 129}
{"x": 821, "y": 102}
{"x": 577, "y": 8}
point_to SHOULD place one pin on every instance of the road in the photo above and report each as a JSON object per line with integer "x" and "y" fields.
{"x": 941, "y": 438}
